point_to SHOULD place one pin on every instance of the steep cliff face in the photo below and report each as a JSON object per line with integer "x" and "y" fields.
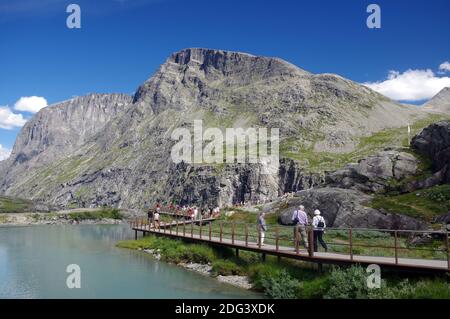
{"x": 125, "y": 160}
{"x": 58, "y": 130}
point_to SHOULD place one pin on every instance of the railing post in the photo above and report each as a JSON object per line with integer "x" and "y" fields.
{"x": 350, "y": 237}
{"x": 184, "y": 228}
{"x": 277, "y": 237}
{"x": 395, "y": 247}
{"x": 246, "y": 235}
{"x": 209, "y": 231}
{"x": 259, "y": 237}
{"x": 201, "y": 223}
{"x": 192, "y": 229}
{"x": 170, "y": 228}
{"x": 296, "y": 240}
{"x": 311, "y": 242}
{"x": 177, "y": 227}
{"x": 221, "y": 231}
{"x": 446, "y": 245}
{"x": 233, "y": 229}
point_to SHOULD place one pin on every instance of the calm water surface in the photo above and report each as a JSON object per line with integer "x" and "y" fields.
{"x": 33, "y": 263}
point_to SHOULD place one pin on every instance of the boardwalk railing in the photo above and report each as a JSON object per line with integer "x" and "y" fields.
{"x": 351, "y": 243}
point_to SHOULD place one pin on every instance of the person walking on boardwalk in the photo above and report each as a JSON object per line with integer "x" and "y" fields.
{"x": 300, "y": 220}
{"x": 319, "y": 225}
{"x": 150, "y": 216}
{"x": 261, "y": 228}
{"x": 156, "y": 217}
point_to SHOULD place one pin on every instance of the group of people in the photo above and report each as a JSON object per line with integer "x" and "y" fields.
{"x": 187, "y": 212}
{"x": 196, "y": 213}
{"x": 300, "y": 220}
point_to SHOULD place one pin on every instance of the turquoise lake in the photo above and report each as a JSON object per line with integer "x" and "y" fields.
{"x": 33, "y": 262}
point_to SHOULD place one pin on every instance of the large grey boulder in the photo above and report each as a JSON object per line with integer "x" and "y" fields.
{"x": 345, "y": 208}
{"x": 434, "y": 142}
{"x": 374, "y": 173}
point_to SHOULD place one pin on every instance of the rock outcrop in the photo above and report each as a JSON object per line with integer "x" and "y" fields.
{"x": 375, "y": 173}
{"x": 434, "y": 142}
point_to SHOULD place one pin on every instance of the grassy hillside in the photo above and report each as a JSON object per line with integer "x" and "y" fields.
{"x": 425, "y": 204}
{"x": 14, "y": 205}
{"x": 368, "y": 145}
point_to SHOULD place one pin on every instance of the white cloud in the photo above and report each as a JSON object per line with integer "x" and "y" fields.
{"x": 411, "y": 85}
{"x": 4, "y": 153}
{"x": 30, "y": 104}
{"x": 445, "y": 67}
{"x": 10, "y": 120}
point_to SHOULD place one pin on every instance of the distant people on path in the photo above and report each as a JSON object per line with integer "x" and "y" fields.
{"x": 150, "y": 216}
{"x": 319, "y": 225}
{"x": 156, "y": 217}
{"x": 262, "y": 228}
{"x": 300, "y": 220}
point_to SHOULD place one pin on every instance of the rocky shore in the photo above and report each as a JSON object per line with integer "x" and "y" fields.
{"x": 29, "y": 219}
{"x": 206, "y": 269}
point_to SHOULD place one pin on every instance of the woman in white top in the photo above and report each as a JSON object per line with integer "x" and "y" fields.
{"x": 156, "y": 220}
{"x": 319, "y": 226}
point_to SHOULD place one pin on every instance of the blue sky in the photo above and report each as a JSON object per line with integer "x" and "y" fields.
{"x": 122, "y": 43}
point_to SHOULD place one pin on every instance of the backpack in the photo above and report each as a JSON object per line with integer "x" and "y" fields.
{"x": 321, "y": 223}
{"x": 296, "y": 220}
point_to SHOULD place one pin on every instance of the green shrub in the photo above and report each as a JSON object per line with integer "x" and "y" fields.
{"x": 313, "y": 289}
{"x": 280, "y": 286}
{"x": 96, "y": 215}
{"x": 226, "y": 268}
{"x": 348, "y": 283}
{"x": 258, "y": 272}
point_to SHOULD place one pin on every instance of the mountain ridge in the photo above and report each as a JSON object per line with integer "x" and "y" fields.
{"x": 126, "y": 162}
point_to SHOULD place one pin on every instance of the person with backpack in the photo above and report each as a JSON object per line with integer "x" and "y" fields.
{"x": 261, "y": 228}
{"x": 150, "y": 216}
{"x": 319, "y": 226}
{"x": 300, "y": 220}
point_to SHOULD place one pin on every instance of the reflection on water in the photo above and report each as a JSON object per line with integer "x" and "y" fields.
{"x": 33, "y": 263}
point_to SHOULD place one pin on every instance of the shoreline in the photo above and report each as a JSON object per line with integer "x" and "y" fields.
{"x": 242, "y": 282}
{"x": 56, "y": 218}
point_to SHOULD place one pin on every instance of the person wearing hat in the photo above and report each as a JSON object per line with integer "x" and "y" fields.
{"x": 300, "y": 220}
{"x": 319, "y": 226}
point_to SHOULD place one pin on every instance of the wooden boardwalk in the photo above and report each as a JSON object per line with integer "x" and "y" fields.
{"x": 206, "y": 235}
{"x": 167, "y": 225}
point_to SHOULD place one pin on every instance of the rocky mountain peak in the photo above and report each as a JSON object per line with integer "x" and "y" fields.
{"x": 440, "y": 102}
{"x": 229, "y": 61}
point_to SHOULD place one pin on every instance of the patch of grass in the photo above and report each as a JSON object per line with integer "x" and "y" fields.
{"x": 14, "y": 205}
{"x": 174, "y": 251}
{"x": 425, "y": 204}
{"x": 96, "y": 215}
{"x": 227, "y": 268}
